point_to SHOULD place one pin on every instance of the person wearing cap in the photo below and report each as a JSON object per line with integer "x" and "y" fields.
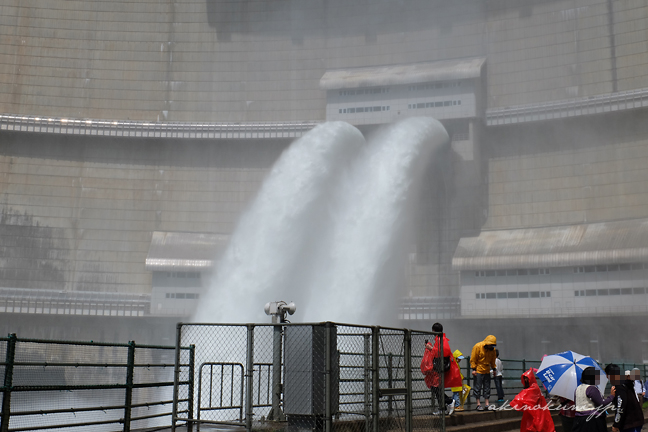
{"x": 482, "y": 361}
{"x": 635, "y": 375}
{"x": 456, "y": 391}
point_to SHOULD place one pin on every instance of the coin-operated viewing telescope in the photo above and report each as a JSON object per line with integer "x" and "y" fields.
{"x": 278, "y": 310}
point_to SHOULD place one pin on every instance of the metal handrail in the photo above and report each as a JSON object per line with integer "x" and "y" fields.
{"x": 75, "y": 126}
{"x": 14, "y": 348}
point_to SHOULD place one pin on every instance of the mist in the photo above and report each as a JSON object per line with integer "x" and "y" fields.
{"x": 267, "y": 247}
{"x": 336, "y": 245}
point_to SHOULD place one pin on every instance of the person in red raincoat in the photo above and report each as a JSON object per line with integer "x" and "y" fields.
{"x": 451, "y": 378}
{"x": 536, "y": 416}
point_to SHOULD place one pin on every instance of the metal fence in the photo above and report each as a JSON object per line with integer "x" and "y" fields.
{"x": 513, "y": 369}
{"x": 330, "y": 376}
{"x": 319, "y": 376}
{"x": 72, "y": 386}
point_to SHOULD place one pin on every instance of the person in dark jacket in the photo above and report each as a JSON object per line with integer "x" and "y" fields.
{"x": 629, "y": 415}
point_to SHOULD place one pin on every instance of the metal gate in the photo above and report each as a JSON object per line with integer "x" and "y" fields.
{"x": 218, "y": 394}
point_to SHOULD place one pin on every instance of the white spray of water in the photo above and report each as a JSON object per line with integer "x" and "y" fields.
{"x": 361, "y": 257}
{"x": 328, "y": 229}
{"x": 264, "y": 259}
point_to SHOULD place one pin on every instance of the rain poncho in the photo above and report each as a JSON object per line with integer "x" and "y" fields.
{"x": 452, "y": 378}
{"x": 481, "y": 359}
{"x": 455, "y": 355}
{"x": 536, "y": 416}
{"x": 464, "y": 390}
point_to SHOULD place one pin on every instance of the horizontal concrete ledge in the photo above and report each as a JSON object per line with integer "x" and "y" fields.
{"x": 611, "y": 102}
{"x": 557, "y": 312}
{"x": 120, "y": 128}
{"x": 619, "y": 101}
{"x": 59, "y": 302}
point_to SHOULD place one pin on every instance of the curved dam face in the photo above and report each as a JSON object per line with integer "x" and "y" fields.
{"x": 250, "y": 61}
{"x": 330, "y": 227}
{"x": 124, "y": 123}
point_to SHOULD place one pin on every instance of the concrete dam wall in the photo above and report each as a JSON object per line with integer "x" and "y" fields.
{"x": 246, "y": 61}
{"x": 116, "y": 120}
{"x": 78, "y": 214}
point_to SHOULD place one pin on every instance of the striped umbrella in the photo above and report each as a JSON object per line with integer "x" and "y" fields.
{"x": 561, "y": 373}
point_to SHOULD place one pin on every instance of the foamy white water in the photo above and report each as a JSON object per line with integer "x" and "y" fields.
{"x": 360, "y": 261}
{"x": 267, "y": 254}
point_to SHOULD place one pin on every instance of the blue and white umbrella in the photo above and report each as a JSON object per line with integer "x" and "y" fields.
{"x": 561, "y": 373}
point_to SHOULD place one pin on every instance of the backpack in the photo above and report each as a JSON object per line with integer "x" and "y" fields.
{"x": 446, "y": 363}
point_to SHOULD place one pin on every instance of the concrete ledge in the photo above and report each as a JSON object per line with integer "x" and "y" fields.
{"x": 619, "y": 101}
{"x": 119, "y": 128}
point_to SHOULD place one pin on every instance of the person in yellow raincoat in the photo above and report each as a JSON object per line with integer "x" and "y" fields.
{"x": 482, "y": 362}
{"x": 456, "y": 391}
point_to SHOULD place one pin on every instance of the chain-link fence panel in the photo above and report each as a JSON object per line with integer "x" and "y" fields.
{"x": 392, "y": 383}
{"x": 220, "y": 367}
{"x": 266, "y": 343}
{"x": 354, "y": 346}
{"x": 317, "y": 376}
